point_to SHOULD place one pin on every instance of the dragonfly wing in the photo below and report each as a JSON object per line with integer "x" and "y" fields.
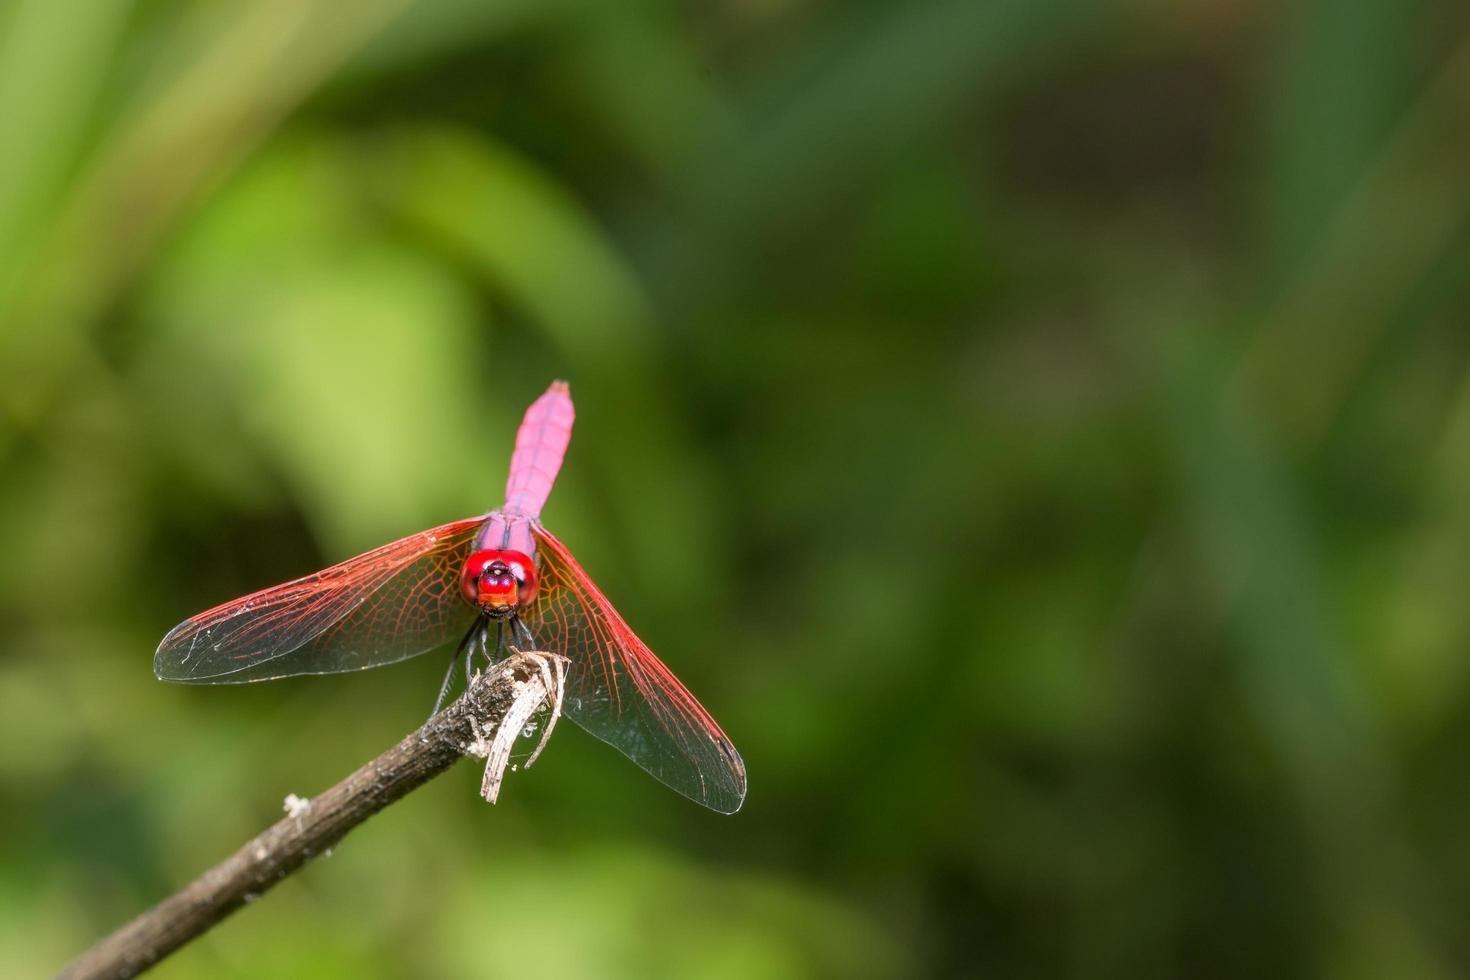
{"x": 383, "y": 606}
{"x": 620, "y": 692}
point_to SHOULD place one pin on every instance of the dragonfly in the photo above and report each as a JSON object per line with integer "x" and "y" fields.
{"x": 497, "y": 581}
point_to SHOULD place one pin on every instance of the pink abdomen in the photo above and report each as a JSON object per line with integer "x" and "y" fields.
{"x": 541, "y": 444}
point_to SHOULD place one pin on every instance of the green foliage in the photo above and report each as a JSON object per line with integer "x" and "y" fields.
{"x": 1036, "y": 428}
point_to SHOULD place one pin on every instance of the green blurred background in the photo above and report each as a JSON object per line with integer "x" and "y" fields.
{"x": 1038, "y": 429}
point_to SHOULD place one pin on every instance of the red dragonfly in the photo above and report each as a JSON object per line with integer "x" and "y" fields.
{"x": 502, "y": 573}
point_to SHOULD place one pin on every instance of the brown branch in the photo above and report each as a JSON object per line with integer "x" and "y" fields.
{"x": 318, "y": 824}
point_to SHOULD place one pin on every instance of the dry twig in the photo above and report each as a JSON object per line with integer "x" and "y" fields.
{"x": 496, "y": 705}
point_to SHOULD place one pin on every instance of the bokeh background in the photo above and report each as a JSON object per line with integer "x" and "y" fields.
{"x": 1038, "y": 429}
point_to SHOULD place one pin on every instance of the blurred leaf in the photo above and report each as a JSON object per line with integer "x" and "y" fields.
{"x": 526, "y": 234}
{"x": 617, "y": 912}
{"x": 225, "y": 77}
{"x": 1291, "y": 658}
{"x": 1345, "y": 76}
{"x": 54, "y": 59}
{"x": 431, "y": 30}
{"x": 352, "y": 360}
{"x": 885, "y": 80}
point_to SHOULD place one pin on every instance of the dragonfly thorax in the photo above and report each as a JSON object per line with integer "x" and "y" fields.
{"x": 498, "y": 581}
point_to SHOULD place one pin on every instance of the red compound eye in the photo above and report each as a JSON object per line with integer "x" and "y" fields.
{"x": 498, "y": 580}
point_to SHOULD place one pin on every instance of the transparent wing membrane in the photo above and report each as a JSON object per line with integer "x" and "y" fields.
{"x": 386, "y": 605}
{"x": 620, "y": 692}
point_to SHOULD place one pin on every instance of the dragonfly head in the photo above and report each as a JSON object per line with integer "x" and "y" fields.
{"x": 499, "y": 582}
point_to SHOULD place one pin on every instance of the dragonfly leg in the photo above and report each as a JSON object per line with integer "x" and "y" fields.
{"x": 477, "y": 627}
{"x": 499, "y": 644}
{"x": 525, "y": 634}
{"x": 444, "y": 687}
{"x": 482, "y": 643}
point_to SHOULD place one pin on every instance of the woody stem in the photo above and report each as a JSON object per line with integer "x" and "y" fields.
{"x": 319, "y": 824}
